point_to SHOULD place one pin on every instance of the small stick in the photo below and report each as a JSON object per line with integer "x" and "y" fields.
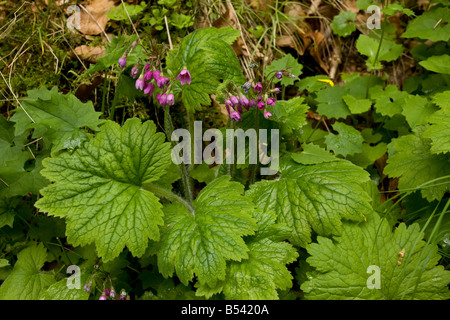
{"x": 168, "y": 32}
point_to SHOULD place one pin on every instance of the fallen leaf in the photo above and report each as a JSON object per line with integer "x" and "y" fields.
{"x": 86, "y": 53}
{"x": 93, "y": 20}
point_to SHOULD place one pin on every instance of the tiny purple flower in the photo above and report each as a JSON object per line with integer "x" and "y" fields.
{"x": 184, "y": 77}
{"x": 140, "y": 83}
{"x": 170, "y": 99}
{"x": 239, "y": 109}
{"x": 107, "y": 292}
{"x": 234, "y": 101}
{"x": 87, "y": 287}
{"x": 267, "y": 114}
{"x": 252, "y": 103}
{"x": 271, "y": 101}
{"x": 279, "y": 75}
{"x": 148, "y": 76}
{"x": 235, "y": 115}
{"x": 246, "y": 86}
{"x": 243, "y": 101}
{"x": 112, "y": 294}
{"x": 149, "y": 88}
{"x": 103, "y": 297}
{"x": 261, "y": 105}
{"x": 162, "y": 81}
{"x": 156, "y": 74}
{"x": 134, "y": 72}
{"x": 123, "y": 62}
{"x": 258, "y": 87}
{"x": 147, "y": 66}
{"x": 162, "y": 99}
{"x": 276, "y": 90}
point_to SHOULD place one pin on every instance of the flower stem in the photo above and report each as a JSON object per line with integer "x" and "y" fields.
{"x": 167, "y": 194}
{"x": 184, "y": 173}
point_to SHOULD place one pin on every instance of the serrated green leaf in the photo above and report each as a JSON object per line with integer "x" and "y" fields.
{"x": 126, "y": 11}
{"x": 417, "y": 109}
{"x": 388, "y": 102}
{"x": 27, "y": 281}
{"x": 389, "y": 51}
{"x": 393, "y": 8}
{"x": 439, "y": 131}
{"x": 61, "y": 291}
{"x": 264, "y": 271}
{"x": 368, "y": 155}
{"x": 340, "y": 24}
{"x": 348, "y": 141}
{"x": 59, "y": 117}
{"x": 287, "y": 63}
{"x": 439, "y": 64}
{"x": 314, "y": 196}
{"x": 426, "y": 25}
{"x": 416, "y": 165}
{"x": 291, "y": 113}
{"x": 208, "y": 56}
{"x": 202, "y": 242}
{"x": 98, "y": 188}
{"x": 342, "y": 265}
{"x": 313, "y": 154}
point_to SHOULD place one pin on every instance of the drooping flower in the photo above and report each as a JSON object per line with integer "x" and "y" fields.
{"x": 148, "y": 76}
{"x": 184, "y": 76}
{"x": 156, "y": 74}
{"x": 267, "y": 114}
{"x": 103, "y": 296}
{"x": 134, "y": 71}
{"x": 112, "y": 294}
{"x": 234, "y": 101}
{"x": 170, "y": 99}
{"x": 276, "y": 90}
{"x": 147, "y": 66}
{"x": 246, "y": 85}
{"x": 149, "y": 88}
{"x": 87, "y": 287}
{"x": 279, "y": 75}
{"x": 258, "y": 87}
{"x": 162, "y": 81}
{"x": 123, "y": 62}
{"x": 243, "y": 101}
{"x": 140, "y": 83}
{"x": 252, "y": 103}
{"x": 235, "y": 115}
{"x": 261, "y": 105}
{"x": 162, "y": 99}
{"x": 271, "y": 101}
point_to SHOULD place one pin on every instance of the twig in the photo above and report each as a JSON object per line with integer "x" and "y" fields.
{"x": 168, "y": 32}
{"x": 15, "y": 97}
{"x": 131, "y": 21}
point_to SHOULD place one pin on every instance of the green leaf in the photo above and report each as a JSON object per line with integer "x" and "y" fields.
{"x": 203, "y": 173}
{"x": 126, "y": 11}
{"x": 416, "y": 165}
{"x": 368, "y": 155}
{"x": 291, "y": 113}
{"x": 313, "y": 154}
{"x": 331, "y": 103}
{"x": 417, "y": 109}
{"x": 4, "y": 263}
{"x": 388, "y": 102}
{"x": 439, "y": 64}
{"x": 314, "y": 196}
{"x": 393, "y": 8}
{"x": 208, "y": 56}
{"x": 342, "y": 264}
{"x": 357, "y": 105}
{"x": 60, "y": 290}
{"x": 202, "y": 242}
{"x": 264, "y": 271}
{"x": 340, "y": 24}
{"x": 27, "y": 281}
{"x": 389, "y": 50}
{"x": 59, "y": 117}
{"x": 181, "y": 21}
{"x": 439, "y": 131}
{"x": 426, "y": 25}
{"x": 287, "y": 63}
{"x": 98, "y": 188}
{"x": 347, "y": 142}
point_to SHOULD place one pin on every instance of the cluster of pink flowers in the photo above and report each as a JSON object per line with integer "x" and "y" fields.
{"x": 236, "y": 104}
{"x": 150, "y": 78}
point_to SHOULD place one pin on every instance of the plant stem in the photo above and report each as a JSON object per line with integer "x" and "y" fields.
{"x": 167, "y": 194}
{"x": 184, "y": 173}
